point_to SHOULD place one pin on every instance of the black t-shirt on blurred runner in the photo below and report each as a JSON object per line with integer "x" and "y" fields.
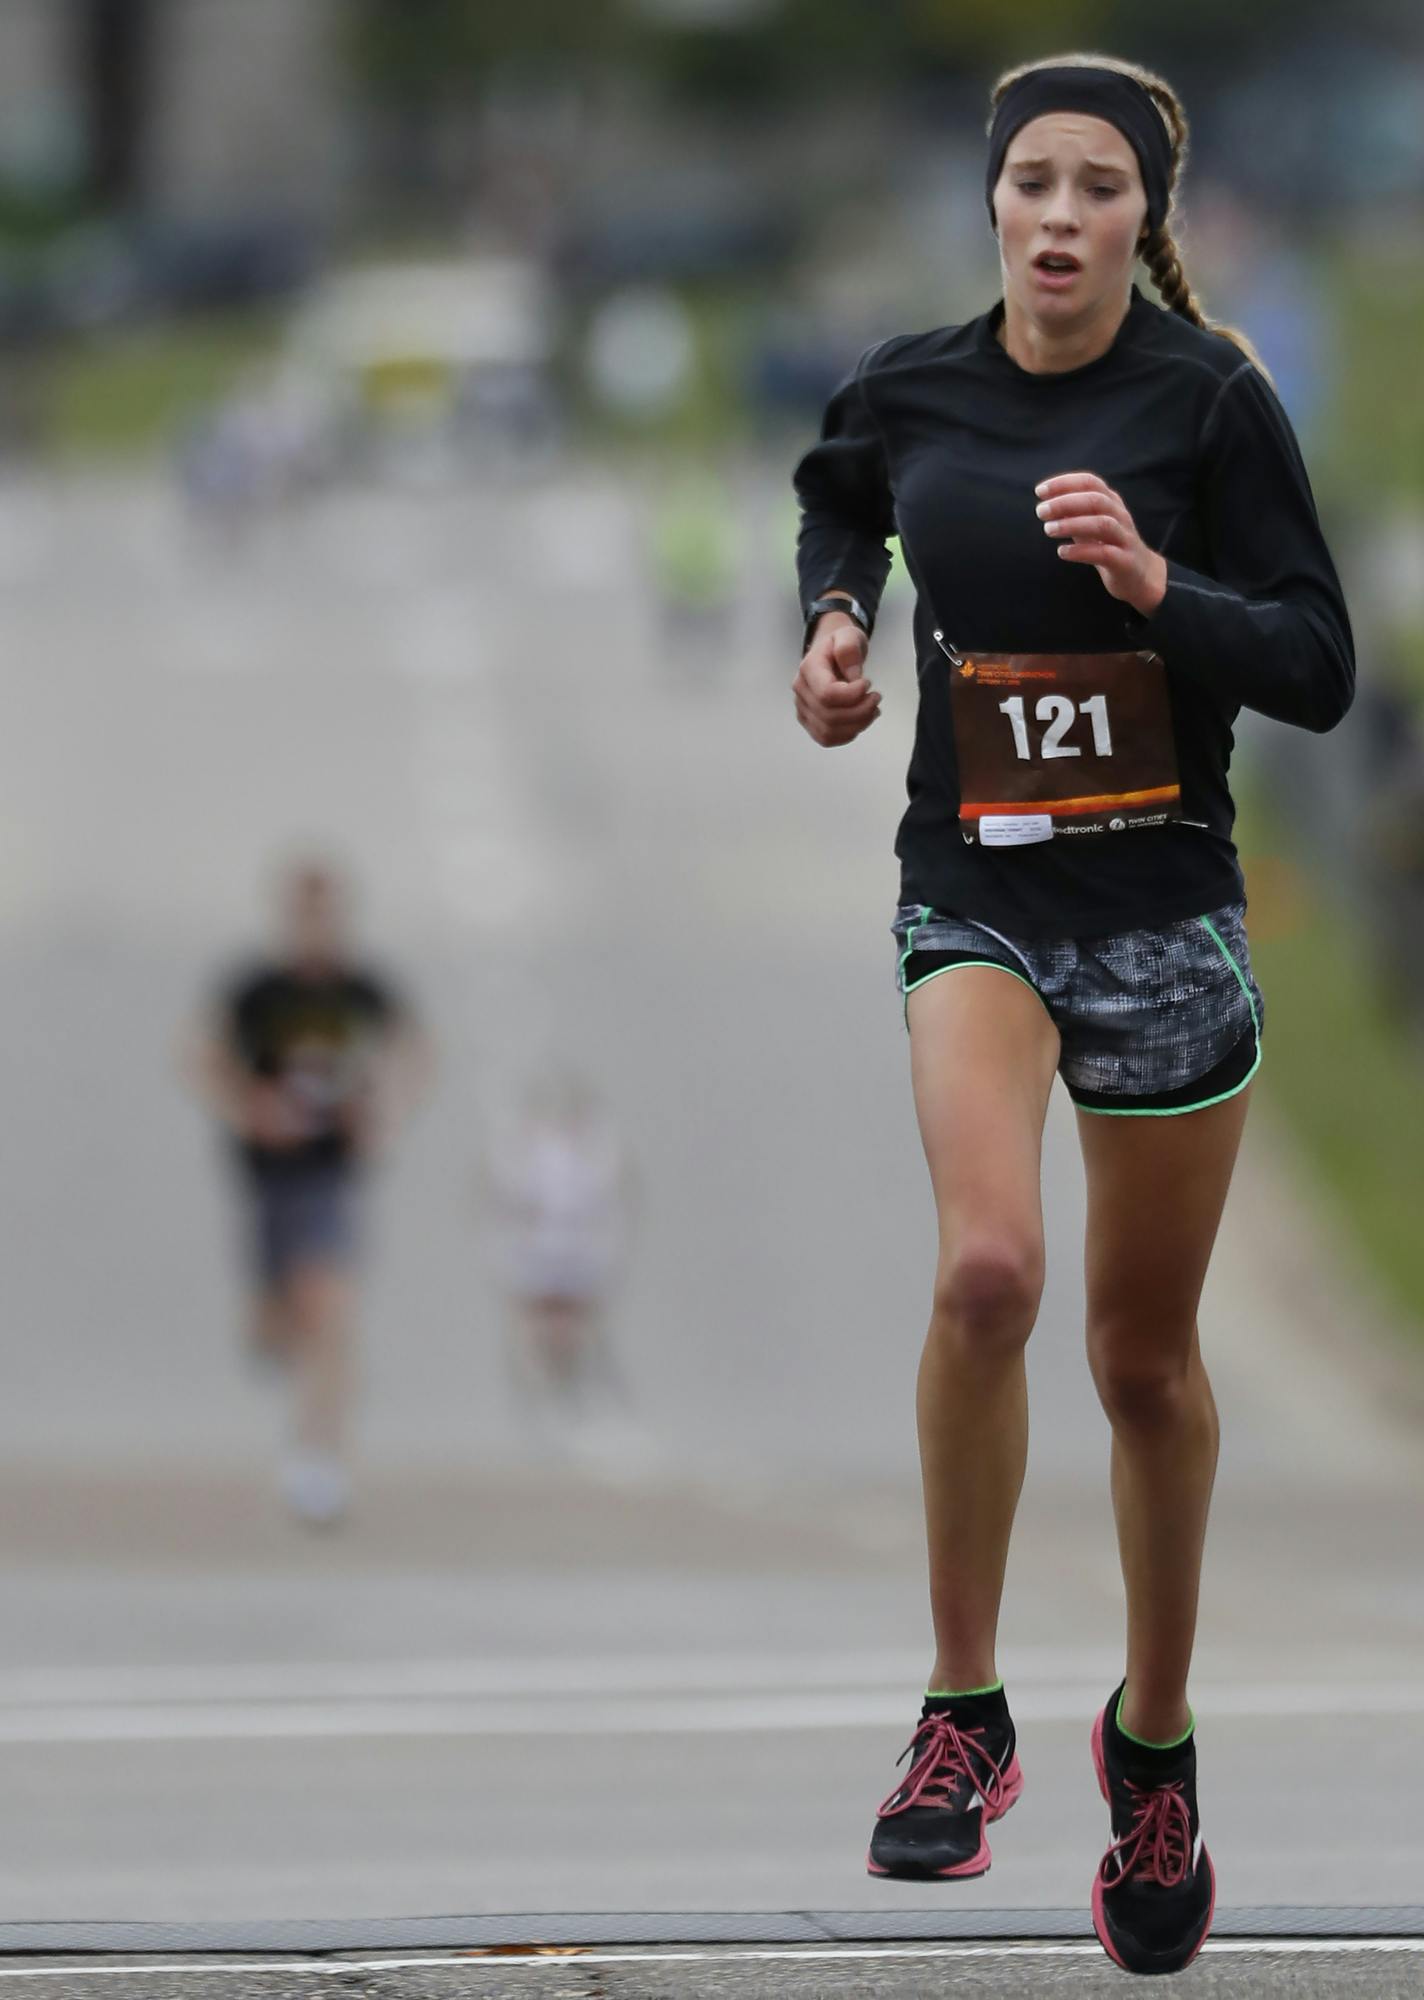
{"x": 941, "y": 437}
{"x": 314, "y": 1037}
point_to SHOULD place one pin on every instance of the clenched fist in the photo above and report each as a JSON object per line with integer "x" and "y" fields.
{"x": 835, "y": 702}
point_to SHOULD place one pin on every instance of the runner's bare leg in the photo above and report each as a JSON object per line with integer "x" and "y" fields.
{"x": 323, "y": 1351}
{"x": 1156, "y": 1190}
{"x": 983, "y": 1053}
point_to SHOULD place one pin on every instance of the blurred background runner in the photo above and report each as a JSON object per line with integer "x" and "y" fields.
{"x": 313, "y": 1062}
{"x": 558, "y": 1189}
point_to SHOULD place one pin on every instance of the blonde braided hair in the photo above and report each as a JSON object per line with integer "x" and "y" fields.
{"x": 1158, "y": 247}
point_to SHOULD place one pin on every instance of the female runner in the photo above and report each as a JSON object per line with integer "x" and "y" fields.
{"x": 1115, "y": 549}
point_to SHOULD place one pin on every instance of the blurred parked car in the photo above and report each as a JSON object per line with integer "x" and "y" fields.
{"x": 98, "y": 276}
{"x": 420, "y": 355}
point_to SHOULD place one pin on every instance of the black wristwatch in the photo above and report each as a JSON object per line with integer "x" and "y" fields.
{"x": 851, "y": 606}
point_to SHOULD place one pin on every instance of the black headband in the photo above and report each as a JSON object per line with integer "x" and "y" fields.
{"x": 1101, "y": 93}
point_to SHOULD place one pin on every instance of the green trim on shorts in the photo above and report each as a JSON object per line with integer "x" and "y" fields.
{"x": 910, "y": 944}
{"x": 1241, "y": 979}
{"x": 1170, "y": 1110}
{"x": 994, "y": 965}
{"x": 1180, "y": 1110}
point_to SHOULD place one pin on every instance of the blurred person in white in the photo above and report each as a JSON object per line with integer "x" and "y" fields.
{"x": 1115, "y": 549}
{"x": 558, "y": 1192}
{"x": 313, "y": 1062}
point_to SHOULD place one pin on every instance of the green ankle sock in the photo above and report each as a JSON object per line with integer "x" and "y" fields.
{"x": 960, "y": 1694}
{"x": 1176, "y": 1742}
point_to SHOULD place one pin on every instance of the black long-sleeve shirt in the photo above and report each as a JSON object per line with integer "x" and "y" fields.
{"x": 942, "y": 438}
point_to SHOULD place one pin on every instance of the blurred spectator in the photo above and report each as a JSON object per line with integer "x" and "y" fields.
{"x": 312, "y": 1062}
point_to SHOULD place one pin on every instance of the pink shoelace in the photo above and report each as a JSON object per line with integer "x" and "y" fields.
{"x": 1158, "y": 1848}
{"x": 942, "y": 1755}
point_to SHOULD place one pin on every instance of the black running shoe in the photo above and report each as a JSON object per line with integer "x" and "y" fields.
{"x": 963, "y": 1774}
{"x": 1155, "y": 1889}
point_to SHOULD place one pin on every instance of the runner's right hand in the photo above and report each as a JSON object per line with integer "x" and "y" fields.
{"x": 269, "y": 1117}
{"x": 835, "y": 703}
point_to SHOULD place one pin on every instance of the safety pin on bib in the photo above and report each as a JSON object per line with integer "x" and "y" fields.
{"x": 947, "y": 649}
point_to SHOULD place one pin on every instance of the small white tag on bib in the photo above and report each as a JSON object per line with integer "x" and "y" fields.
{"x": 1014, "y": 829}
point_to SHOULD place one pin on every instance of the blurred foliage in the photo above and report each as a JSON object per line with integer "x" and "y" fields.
{"x": 429, "y": 50}
{"x": 424, "y": 49}
{"x": 34, "y": 215}
{"x": 1411, "y": 661}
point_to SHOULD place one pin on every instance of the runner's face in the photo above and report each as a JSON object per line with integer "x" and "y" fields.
{"x": 315, "y": 919}
{"x": 1070, "y": 186}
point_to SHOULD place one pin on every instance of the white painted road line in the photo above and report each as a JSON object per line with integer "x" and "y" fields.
{"x": 575, "y": 1959}
{"x": 693, "y": 1695}
{"x": 1047, "y": 1680}
{"x": 602, "y": 1716}
{"x": 615, "y": 1673}
{"x": 284, "y": 1721}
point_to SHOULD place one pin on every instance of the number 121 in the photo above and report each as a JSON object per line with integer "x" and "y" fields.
{"x": 1059, "y": 713}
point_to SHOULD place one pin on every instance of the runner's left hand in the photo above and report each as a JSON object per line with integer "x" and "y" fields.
{"x": 1091, "y": 524}
{"x": 367, "y": 1130}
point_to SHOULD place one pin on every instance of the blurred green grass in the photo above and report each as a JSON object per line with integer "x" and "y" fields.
{"x": 1371, "y": 456}
{"x": 1341, "y": 1069}
{"x": 1374, "y": 435}
{"x": 123, "y": 394}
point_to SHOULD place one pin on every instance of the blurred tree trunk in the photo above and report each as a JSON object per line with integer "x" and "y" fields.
{"x": 114, "y": 49}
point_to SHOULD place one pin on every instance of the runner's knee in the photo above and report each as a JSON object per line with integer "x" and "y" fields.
{"x": 987, "y": 1293}
{"x": 319, "y": 1296}
{"x": 1151, "y": 1391}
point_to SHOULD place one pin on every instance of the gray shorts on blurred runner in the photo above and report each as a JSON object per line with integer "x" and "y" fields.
{"x": 308, "y": 1215}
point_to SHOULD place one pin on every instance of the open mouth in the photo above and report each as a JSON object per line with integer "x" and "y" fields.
{"x": 1059, "y": 262}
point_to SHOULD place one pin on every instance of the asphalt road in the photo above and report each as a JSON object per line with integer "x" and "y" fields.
{"x": 507, "y": 1687}
{"x": 1303, "y": 1970}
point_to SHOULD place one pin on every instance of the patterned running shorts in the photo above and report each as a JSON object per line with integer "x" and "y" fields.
{"x": 1152, "y": 1022}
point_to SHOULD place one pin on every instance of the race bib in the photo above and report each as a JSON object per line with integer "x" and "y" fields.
{"x": 1062, "y": 743}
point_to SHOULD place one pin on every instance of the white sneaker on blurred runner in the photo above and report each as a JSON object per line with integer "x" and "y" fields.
{"x": 316, "y": 1489}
